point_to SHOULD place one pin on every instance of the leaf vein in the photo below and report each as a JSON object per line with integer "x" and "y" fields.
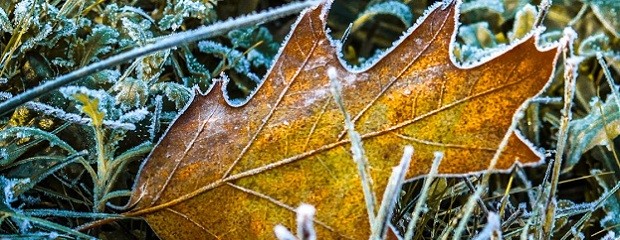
{"x": 445, "y": 145}
{"x": 201, "y": 128}
{"x": 437, "y": 111}
{"x": 315, "y": 123}
{"x": 271, "y": 111}
{"x": 192, "y": 221}
{"x": 397, "y": 77}
{"x": 280, "y": 204}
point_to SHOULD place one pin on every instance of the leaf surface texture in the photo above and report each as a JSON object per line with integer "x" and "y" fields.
{"x": 234, "y": 172}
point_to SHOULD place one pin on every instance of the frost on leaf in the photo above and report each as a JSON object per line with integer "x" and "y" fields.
{"x": 593, "y": 44}
{"x": 96, "y": 44}
{"x": 131, "y": 92}
{"x": 234, "y": 58}
{"x": 138, "y": 31}
{"x": 177, "y": 11}
{"x": 151, "y": 66}
{"x": 524, "y": 22}
{"x": 258, "y": 41}
{"x": 103, "y": 77}
{"x": 175, "y": 92}
{"x": 494, "y": 5}
{"x": 477, "y": 35}
{"x": 5, "y": 24}
{"x": 611, "y": 205}
{"x": 199, "y": 74}
{"x": 608, "y": 12}
{"x": 600, "y": 127}
{"x": 255, "y": 160}
{"x": 394, "y": 8}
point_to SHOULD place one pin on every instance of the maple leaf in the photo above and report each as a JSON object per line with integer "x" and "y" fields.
{"x": 235, "y": 170}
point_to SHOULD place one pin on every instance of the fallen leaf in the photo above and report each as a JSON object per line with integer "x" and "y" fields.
{"x": 235, "y": 170}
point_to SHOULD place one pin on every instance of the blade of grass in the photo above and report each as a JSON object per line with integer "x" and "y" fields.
{"x": 356, "y": 147}
{"x": 415, "y": 215}
{"x": 570, "y": 75}
{"x": 389, "y": 196}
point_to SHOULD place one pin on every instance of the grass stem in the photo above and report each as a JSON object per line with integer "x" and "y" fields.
{"x": 356, "y": 147}
{"x": 570, "y": 74}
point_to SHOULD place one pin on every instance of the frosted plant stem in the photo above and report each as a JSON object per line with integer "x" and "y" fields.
{"x": 305, "y": 224}
{"x": 69, "y": 214}
{"x": 472, "y": 188}
{"x": 46, "y": 224}
{"x": 579, "y": 15}
{"x": 570, "y": 74}
{"x": 467, "y": 210}
{"x": 164, "y": 43}
{"x": 117, "y": 167}
{"x": 531, "y": 194}
{"x": 419, "y": 205}
{"x": 491, "y": 228}
{"x": 102, "y": 171}
{"x": 103, "y": 202}
{"x": 543, "y": 10}
{"x": 356, "y": 147}
{"x": 610, "y": 80}
{"x": 391, "y": 192}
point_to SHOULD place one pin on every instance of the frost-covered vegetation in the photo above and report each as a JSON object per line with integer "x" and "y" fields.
{"x": 69, "y": 157}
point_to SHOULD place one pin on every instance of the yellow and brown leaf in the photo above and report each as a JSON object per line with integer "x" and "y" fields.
{"x": 234, "y": 172}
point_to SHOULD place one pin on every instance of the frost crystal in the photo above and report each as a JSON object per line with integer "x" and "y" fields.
{"x": 175, "y": 92}
{"x": 5, "y": 24}
{"x": 53, "y": 235}
{"x": 283, "y": 234}
{"x": 5, "y": 95}
{"x": 21, "y": 12}
{"x": 609, "y": 236}
{"x": 233, "y": 57}
{"x": 8, "y": 186}
{"x": 4, "y": 155}
{"x": 261, "y": 55}
{"x": 138, "y": 32}
{"x": 106, "y": 103}
{"x": 394, "y": 8}
{"x": 24, "y": 224}
{"x": 134, "y": 116}
{"x": 56, "y": 112}
{"x": 155, "y": 118}
{"x": 174, "y": 14}
{"x": 492, "y": 228}
{"x": 493, "y": 5}
{"x": 524, "y": 22}
{"x": 305, "y": 216}
{"x": 37, "y": 39}
{"x": 593, "y": 44}
{"x": 105, "y": 76}
{"x": 131, "y": 92}
{"x": 69, "y": 91}
{"x": 102, "y": 36}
